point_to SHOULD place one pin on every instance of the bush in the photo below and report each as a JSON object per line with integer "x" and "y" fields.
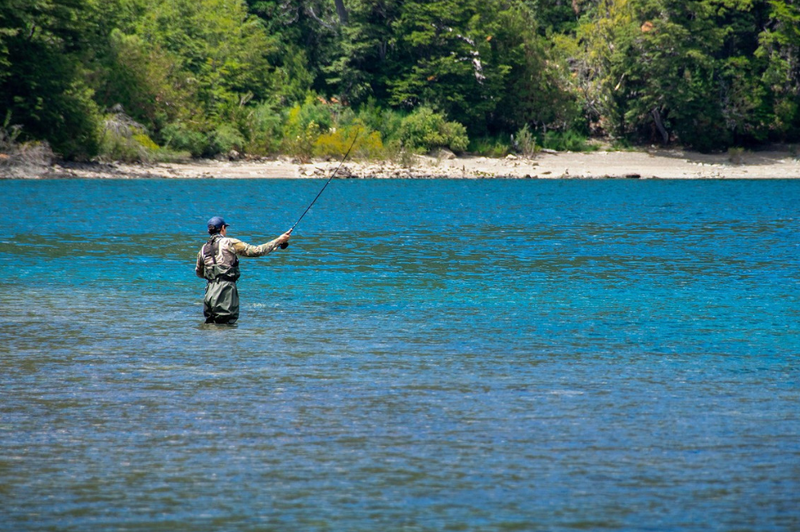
{"x": 224, "y": 139}
{"x": 22, "y": 159}
{"x": 303, "y": 126}
{"x": 123, "y": 139}
{"x": 9, "y": 134}
{"x": 387, "y": 122}
{"x": 736, "y": 155}
{"x": 565, "y": 141}
{"x": 424, "y": 130}
{"x": 179, "y": 137}
{"x": 301, "y": 145}
{"x": 264, "y": 134}
{"x": 526, "y": 142}
{"x": 327, "y": 129}
{"x": 489, "y": 147}
{"x": 313, "y": 110}
{"x": 336, "y": 142}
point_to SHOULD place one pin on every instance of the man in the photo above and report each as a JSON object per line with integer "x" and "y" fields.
{"x": 218, "y": 263}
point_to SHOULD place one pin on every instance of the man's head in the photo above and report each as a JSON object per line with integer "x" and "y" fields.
{"x": 216, "y": 225}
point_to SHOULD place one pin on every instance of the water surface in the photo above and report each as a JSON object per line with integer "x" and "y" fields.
{"x": 426, "y": 355}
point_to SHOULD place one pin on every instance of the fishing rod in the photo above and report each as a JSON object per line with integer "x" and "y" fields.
{"x": 286, "y": 244}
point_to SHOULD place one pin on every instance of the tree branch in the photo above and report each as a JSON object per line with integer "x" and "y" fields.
{"x": 310, "y": 11}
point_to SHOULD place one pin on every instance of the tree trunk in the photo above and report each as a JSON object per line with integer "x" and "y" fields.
{"x": 660, "y": 125}
{"x": 340, "y": 9}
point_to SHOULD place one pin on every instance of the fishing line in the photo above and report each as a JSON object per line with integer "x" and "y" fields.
{"x": 286, "y": 244}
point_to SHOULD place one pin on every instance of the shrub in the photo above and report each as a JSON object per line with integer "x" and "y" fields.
{"x": 526, "y": 142}
{"x": 22, "y": 159}
{"x": 336, "y": 142}
{"x": 423, "y": 130}
{"x": 123, "y": 139}
{"x": 387, "y": 122}
{"x": 489, "y": 147}
{"x": 179, "y": 137}
{"x": 301, "y": 145}
{"x": 313, "y": 110}
{"x": 736, "y": 155}
{"x": 224, "y": 139}
{"x": 9, "y": 134}
{"x": 264, "y": 134}
{"x": 566, "y": 141}
{"x": 120, "y": 139}
{"x": 303, "y": 126}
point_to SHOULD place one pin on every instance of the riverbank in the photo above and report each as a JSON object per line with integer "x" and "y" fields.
{"x": 652, "y": 164}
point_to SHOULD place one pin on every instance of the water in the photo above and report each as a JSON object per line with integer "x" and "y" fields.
{"x": 426, "y": 355}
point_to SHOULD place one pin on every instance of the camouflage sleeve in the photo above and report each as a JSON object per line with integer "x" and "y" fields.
{"x": 243, "y": 249}
{"x": 199, "y": 266}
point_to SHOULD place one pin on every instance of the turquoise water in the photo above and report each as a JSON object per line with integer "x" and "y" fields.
{"x": 427, "y": 355}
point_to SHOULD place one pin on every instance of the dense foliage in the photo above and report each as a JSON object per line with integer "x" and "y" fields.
{"x": 143, "y": 79}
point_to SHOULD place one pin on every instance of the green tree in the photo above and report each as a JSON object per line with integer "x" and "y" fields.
{"x": 447, "y": 58}
{"x": 305, "y": 36}
{"x": 537, "y": 91}
{"x": 189, "y": 66}
{"x": 675, "y": 70}
{"x": 365, "y": 61}
{"x": 43, "y": 79}
{"x": 147, "y": 82}
{"x": 215, "y": 42}
{"x": 779, "y": 47}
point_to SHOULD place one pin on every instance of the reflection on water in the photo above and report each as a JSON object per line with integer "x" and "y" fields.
{"x": 438, "y": 355}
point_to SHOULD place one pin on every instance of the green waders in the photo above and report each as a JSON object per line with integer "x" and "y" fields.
{"x": 221, "y": 302}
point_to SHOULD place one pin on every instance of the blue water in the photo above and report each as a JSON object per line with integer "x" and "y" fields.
{"x": 427, "y": 355}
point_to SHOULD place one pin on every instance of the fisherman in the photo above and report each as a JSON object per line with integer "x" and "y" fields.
{"x": 218, "y": 263}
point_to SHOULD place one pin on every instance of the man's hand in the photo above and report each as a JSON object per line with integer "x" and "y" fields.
{"x": 283, "y": 240}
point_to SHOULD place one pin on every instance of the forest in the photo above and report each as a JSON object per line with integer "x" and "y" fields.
{"x": 152, "y": 80}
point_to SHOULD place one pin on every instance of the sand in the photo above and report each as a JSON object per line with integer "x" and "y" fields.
{"x": 651, "y": 164}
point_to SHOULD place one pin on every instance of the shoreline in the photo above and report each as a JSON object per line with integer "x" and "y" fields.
{"x": 651, "y": 164}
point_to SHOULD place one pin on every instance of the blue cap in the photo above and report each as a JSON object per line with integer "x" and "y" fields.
{"x": 217, "y": 222}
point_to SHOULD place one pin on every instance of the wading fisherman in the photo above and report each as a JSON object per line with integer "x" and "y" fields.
{"x": 218, "y": 263}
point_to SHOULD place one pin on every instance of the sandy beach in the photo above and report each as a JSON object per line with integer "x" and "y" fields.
{"x": 652, "y": 164}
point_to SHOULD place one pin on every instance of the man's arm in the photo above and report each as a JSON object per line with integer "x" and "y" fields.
{"x": 243, "y": 249}
{"x": 199, "y": 267}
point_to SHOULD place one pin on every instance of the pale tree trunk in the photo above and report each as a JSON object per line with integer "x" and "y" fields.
{"x": 660, "y": 125}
